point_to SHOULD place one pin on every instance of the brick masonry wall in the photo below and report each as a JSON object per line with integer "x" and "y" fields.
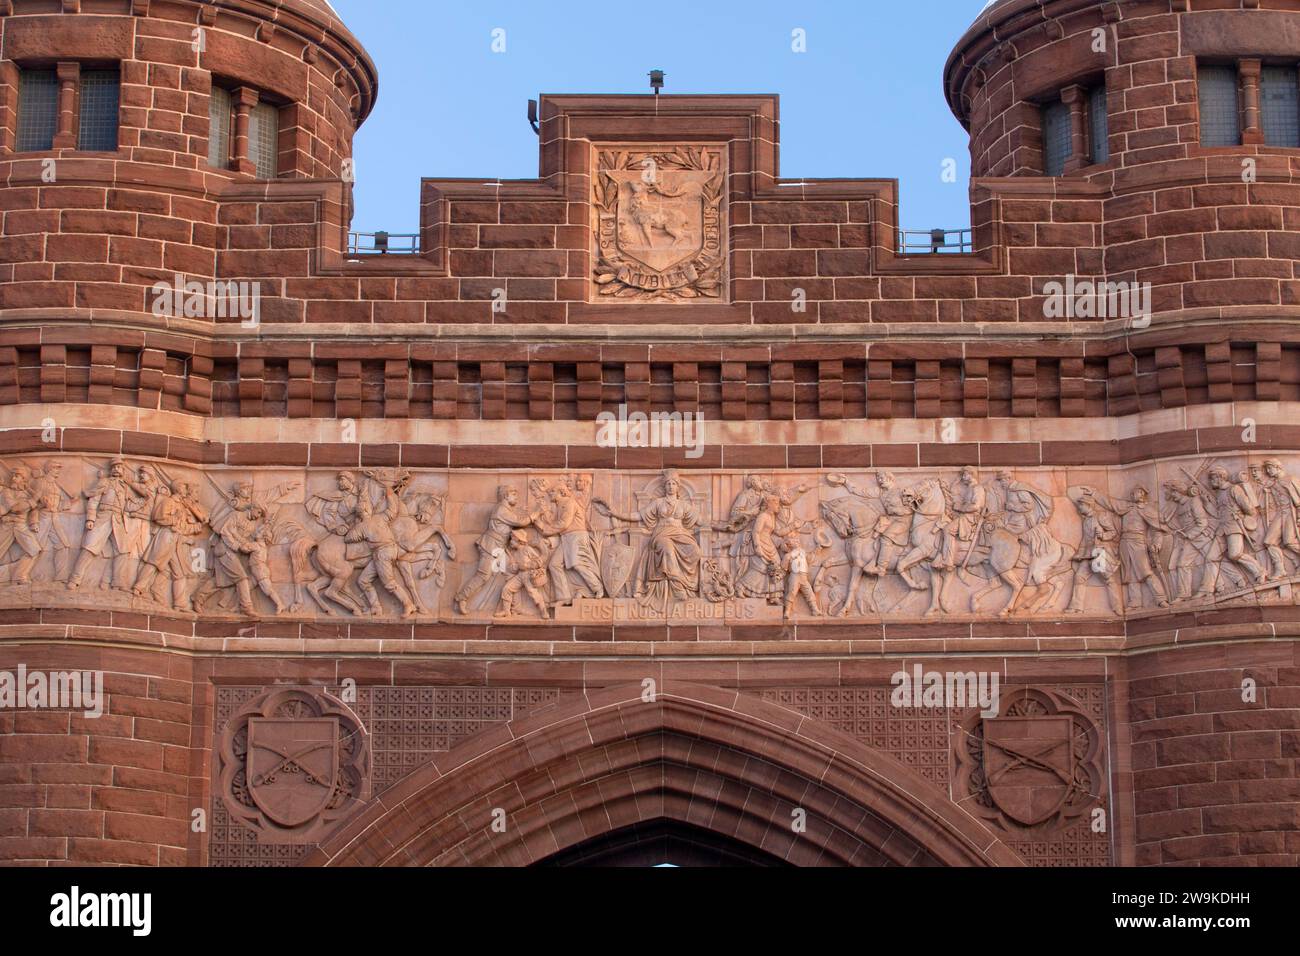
{"x": 116, "y": 789}
{"x": 1215, "y": 778}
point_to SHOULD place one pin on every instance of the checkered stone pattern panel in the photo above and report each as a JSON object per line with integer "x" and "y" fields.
{"x": 917, "y": 737}
{"x": 923, "y": 738}
{"x": 407, "y": 725}
{"x": 1077, "y": 846}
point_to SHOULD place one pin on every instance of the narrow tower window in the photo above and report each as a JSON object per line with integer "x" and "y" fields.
{"x": 220, "y": 109}
{"x": 1279, "y": 94}
{"x": 1056, "y": 138}
{"x": 264, "y": 139}
{"x": 38, "y": 110}
{"x": 99, "y": 107}
{"x": 1099, "y": 125}
{"x": 1220, "y": 112}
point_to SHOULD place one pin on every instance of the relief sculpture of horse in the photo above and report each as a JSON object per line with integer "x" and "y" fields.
{"x": 930, "y": 501}
{"x": 1028, "y": 560}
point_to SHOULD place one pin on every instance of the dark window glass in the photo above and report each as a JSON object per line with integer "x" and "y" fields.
{"x": 1220, "y": 114}
{"x": 1099, "y": 123}
{"x": 219, "y": 111}
{"x": 1279, "y": 99}
{"x": 1056, "y": 138}
{"x": 99, "y": 100}
{"x": 38, "y": 110}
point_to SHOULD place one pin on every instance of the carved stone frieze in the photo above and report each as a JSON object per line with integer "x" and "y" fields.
{"x": 659, "y": 223}
{"x": 599, "y": 547}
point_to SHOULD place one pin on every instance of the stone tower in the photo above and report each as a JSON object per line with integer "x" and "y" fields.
{"x": 671, "y": 496}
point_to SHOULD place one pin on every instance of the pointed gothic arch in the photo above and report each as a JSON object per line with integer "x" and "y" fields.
{"x": 711, "y": 758}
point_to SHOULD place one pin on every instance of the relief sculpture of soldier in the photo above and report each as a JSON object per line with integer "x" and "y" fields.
{"x": 1280, "y": 517}
{"x": 375, "y": 530}
{"x": 52, "y": 502}
{"x": 1023, "y": 554}
{"x": 967, "y": 510}
{"x": 1140, "y": 532}
{"x": 876, "y": 529}
{"x": 19, "y": 524}
{"x": 566, "y": 521}
{"x": 1235, "y": 521}
{"x": 504, "y": 520}
{"x": 239, "y": 533}
{"x": 930, "y": 501}
{"x": 179, "y": 521}
{"x": 115, "y": 532}
{"x": 526, "y": 569}
{"x": 1096, "y": 560}
{"x": 1190, "y": 521}
{"x": 376, "y": 534}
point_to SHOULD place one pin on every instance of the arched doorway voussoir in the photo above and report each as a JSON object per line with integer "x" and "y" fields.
{"x": 702, "y": 756}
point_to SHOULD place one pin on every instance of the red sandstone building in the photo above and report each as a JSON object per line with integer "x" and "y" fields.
{"x": 385, "y": 569}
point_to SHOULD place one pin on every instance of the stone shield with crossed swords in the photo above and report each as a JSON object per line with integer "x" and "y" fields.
{"x": 292, "y": 766}
{"x": 1029, "y": 765}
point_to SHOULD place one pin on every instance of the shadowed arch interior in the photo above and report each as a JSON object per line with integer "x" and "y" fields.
{"x": 662, "y": 843}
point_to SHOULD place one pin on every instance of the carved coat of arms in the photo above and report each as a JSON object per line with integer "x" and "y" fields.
{"x": 659, "y": 220}
{"x": 292, "y": 766}
{"x": 1029, "y": 765}
{"x": 292, "y": 762}
{"x": 1037, "y": 766}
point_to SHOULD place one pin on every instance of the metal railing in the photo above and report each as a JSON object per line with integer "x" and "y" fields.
{"x": 383, "y": 244}
{"x": 934, "y": 241}
{"x": 910, "y": 242}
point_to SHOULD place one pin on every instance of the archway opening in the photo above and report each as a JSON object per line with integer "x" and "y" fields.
{"x": 663, "y": 842}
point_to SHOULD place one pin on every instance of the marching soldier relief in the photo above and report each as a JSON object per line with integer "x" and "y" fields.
{"x": 592, "y": 546}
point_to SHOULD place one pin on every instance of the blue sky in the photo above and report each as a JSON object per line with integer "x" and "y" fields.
{"x": 864, "y": 100}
